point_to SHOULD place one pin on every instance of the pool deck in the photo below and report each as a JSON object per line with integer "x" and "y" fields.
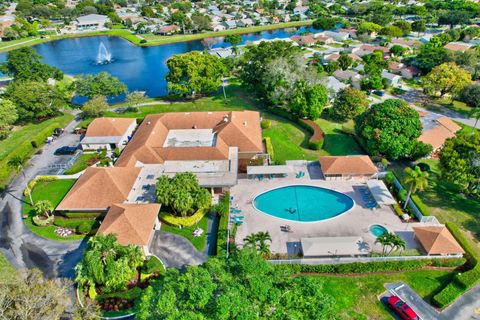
{"x": 355, "y": 222}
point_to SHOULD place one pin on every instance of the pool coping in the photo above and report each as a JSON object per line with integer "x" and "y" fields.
{"x": 304, "y": 185}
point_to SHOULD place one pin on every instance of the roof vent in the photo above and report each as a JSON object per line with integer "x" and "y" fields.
{"x": 194, "y": 126}
{"x": 245, "y": 123}
{"x": 148, "y": 123}
{"x": 225, "y": 119}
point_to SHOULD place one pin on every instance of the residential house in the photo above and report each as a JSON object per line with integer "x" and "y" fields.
{"x": 436, "y": 129}
{"x": 338, "y": 36}
{"x": 230, "y": 24}
{"x": 91, "y": 22}
{"x": 6, "y": 21}
{"x": 108, "y": 133}
{"x": 218, "y": 27}
{"x": 366, "y": 49}
{"x": 348, "y": 76}
{"x": 320, "y": 37}
{"x": 437, "y": 240}
{"x": 168, "y": 30}
{"x": 352, "y": 32}
{"x": 347, "y": 167}
{"x": 244, "y": 23}
{"x": 396, "y": 67}
{"x": 132, "y": 224}
{"x": 306, "y": 41}
{"x": 457, "y": 46}
{"x": 393, "y": 80}
{"x": 410, "y": 72}
{"x": 98, "y": 188}
{"x": 334, "y": 85}
{"x": 300, "y": 10}
{"x": 335, "y": 56}
{"x": 409, "y": 44}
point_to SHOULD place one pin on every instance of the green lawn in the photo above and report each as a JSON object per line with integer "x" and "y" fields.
{"x": 357, "y": 297}
{"x": 53, "y": 191}
{"x": 445, "y": 201}
{"x": 81, "y": 163}
{"x": 455, "y": 105}
{"x": 198, "y": 242}
{"x": 337, "y": 142}
{"x": 8, "y": 273}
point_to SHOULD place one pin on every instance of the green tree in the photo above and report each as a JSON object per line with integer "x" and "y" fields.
{"x": 100, "y": 84}
{"x": 263, "y": 237}
{"x": 136, "y": 98}
{"x": 475, "y": 113}
{"x": 16, "y": 164}
{"x": 454, "y": 17}
{"x": 95, "y": 107}
{"x": 429, "y": 57}
{"x": 390, "y": 242}
{"x": 349, "y": 103}
{"x": 391, "y": 31}
{"x": 234, "y": 40}
{"x": 250, "y": 241}
{"x": 419, "y": 26}
{"x": 35, "y": 100}
{"x": 470, "y": 94}
{"x": 309, "y": 101}
{"x": 25, "y": 64}
{"x": 345, "y": 61}
{"x": 390, "y": 128}
{"x": 194, "y": 73}
{"x": 416, "y": 179}
{"x": 108, "y": 264}
{"x": 365, "y": 27}
{"x": 8, "y": 116}
{"x": 398, "y": 50}
{"x": 459, "y": 162}
{"x": 403, "y": 25}
{"x": 324, "y": 23}
{"x": 43, "y": 208}
{"x": 446, "y": 78}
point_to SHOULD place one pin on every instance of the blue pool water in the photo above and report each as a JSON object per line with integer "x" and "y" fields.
{"x": 303, "y": 203}
{"x": 377, "y": 230}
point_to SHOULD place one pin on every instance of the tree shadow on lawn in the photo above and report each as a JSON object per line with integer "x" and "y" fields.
{"x": 444, "y": 280}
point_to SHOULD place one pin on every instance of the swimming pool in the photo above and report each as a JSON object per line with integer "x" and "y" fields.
{"x": 378, "y": 230}
{"x": 303, "y": 203}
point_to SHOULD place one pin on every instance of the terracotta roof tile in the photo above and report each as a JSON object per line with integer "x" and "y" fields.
{"x": 109, "y": 127}
{"x": 436, "y": 137}
{"x": 131, "y": 223}
{"x": 347, "y": 165}
{"x": 437, "y": 240}
{"x": 98, "y": 188}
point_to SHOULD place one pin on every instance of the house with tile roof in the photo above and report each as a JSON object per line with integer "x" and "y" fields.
{"x": 132, "y": 223}
{"x": 98, "y": 188}
{"x": 437, "y": 129}
{"x": 356, "y": 167}
{"x": 108, "y": 133}
{"x": 437, "y": 240}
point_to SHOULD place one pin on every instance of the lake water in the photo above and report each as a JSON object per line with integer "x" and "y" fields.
{"x": 140, "y": 68}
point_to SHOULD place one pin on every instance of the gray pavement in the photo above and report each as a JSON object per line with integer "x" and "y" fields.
{"x": 23, "y": 248}
{"x": 467, "y": 307}
{"x": 175, "y": 251}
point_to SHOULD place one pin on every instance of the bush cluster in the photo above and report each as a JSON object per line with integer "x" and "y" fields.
{"x": 40, "y": 221}
{"x": 265, "y": 124}
{"x": 81, "y": 215}
{"x": 183, "y": 221}
{"x": 269, "y": 147}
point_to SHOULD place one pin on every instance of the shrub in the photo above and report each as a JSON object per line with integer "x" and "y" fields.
{"x": 420, "y": 205}
{"x": 84, "y": 228}
{"x": 402, "y": 195}
{"x": 389, "y": 178}
{"x": 222, "y": 235}
{"x": 116, "y": 152}
{"x": 397, "y": 209}
{"x": 143, "y": 41}
{"x": 222, "y": 207}
{"x": 265, "y": 124}
{"x": 152, "y": 265}
{"x": 40, "y": 221}
{"x": 81, "y": 215}
{"x": 424, "y": 166}
{"x": 269, "y": 147}
{"x": 92, "y": 293}
{"x": 183, "y": 221}
{"x": 316, "y": 145}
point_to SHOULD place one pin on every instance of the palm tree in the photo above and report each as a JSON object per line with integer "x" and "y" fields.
{"x": 417, "y": 179}
{"x": 250, "y": 241}
{"x": 390, "y": 240}
{"x": 475, "y": 113}
{"x": 16, "y": 164}
{"x": 262, "y": 238}
{"x": 43, "y": 208}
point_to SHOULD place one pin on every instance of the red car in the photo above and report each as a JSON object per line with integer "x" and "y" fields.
{"x": 401, "y": 308}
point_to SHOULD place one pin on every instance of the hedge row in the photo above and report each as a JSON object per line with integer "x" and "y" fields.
{"x": 81, "y": 215}
{"x": 375, "y": 266}
{"x": 31, "y": 185}
{"x": 269, "y": 147}
{"x": 183, "y": 221}
{"x": 462, "y": 281}
{"x": 222, "y": 234}
{"x": 25, "y": 150}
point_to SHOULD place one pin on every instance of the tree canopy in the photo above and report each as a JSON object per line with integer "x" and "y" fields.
{"x": 35, "y": 100}
{"x": 460, "y": 162}
{"x": 25, "y": 64}
{"x": 108, "y": 264}
{"x": 182, "y": 194}
{"x": 95, "y": 107}
{"x": 446, "y": 78}
{"x": 243, "y": 287}
{"x": 194, "y": 73}
{"x": 100, "y": 84}
{"x": 349, "y": 102}
{"x": 470, "y": 94}
{"x": 390, "y": 129}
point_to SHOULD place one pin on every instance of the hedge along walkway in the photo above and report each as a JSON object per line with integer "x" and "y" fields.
{"x": 364, "y": 274}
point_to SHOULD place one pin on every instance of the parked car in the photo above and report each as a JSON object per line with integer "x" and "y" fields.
{"x": 402, "y": 309}
{"x": 65, "y": 150}
{"x": 58, "y": 131}
{"x": 379, "y": 93}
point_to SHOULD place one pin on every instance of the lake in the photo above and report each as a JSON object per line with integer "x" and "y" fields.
{"x": 140, "y": 68}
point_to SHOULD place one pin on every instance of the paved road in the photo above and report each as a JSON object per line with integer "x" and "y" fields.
{"x": 467, "y": 307}
{"x": 23, "y": 248}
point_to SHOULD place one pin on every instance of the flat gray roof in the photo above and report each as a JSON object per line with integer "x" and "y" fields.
{"x": 380, "y": 192}
{"x": 334, "y": 246}
{"x": 280, "y": 169}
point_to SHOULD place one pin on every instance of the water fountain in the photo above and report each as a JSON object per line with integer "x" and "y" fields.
{"x": 103, "y": 55}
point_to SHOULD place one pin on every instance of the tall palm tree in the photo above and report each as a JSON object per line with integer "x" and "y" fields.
{"x": 263, "y": 237}
{"x": 390, "y": 240}
{"x": 250, "y": 241}
{"x": 43, "y": 208}
{"x": 475, "y": 113}
{"x": 417, "y": 179}
{"x": 16, "y": 164}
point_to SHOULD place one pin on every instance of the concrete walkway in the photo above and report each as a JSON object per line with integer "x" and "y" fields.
{"x": 20, "y": 246}
{"x": 467, "y": 307}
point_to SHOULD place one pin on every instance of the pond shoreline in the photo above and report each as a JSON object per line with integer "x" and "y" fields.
{"x": 134, "y": 39}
